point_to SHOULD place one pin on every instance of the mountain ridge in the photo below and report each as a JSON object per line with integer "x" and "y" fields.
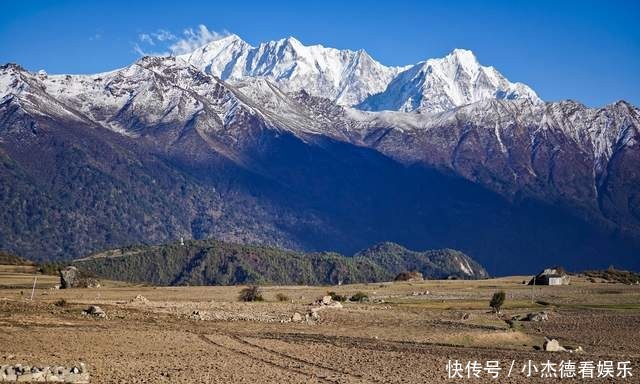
{"x": 354, "y": 78}
{"x": 160, "y": 149}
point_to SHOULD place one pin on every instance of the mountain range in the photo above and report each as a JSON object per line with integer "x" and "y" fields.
{"x": 353, "y": 78}
{"x": 315, "y": 149}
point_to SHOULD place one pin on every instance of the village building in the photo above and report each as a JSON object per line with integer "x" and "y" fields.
{"x": 551, "y": 276}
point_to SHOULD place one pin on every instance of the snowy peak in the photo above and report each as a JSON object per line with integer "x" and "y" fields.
{"x": 442, "y": 84}
{"x": 343, "y": 76}
{"x": 219, "y": 56}
{"x": 353, "y": 78}
{"x": 458, "y": 60}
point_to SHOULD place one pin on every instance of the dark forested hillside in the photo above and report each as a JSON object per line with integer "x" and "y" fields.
{"x": 211, "y": 262}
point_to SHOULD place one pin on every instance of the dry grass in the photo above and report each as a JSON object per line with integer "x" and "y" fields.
{"x": 395, "y": 337}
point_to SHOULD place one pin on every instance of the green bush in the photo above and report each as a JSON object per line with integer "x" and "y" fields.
{"x": 251, "y": 293}
{"x": 497, "y": 300}
{"x": 514, "y": 325}
{"x": 60, "y": 303}
{"x": 50, "y": 268}
{"x": 359, "y": 297}
{"x": 282, "y": 297}
{"x": 337, "y": 297}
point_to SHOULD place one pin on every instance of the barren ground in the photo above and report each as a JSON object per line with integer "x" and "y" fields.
{"x": 397, "y": 337}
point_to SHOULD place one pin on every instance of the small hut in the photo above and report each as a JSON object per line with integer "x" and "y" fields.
{"x": 551, "y": 276}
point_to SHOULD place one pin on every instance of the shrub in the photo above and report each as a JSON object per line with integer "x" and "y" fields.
{"x": 337, "y": 297}
{"x": 60, "y": 303}
{"x": 282, "y": 297}
{"x": 409, "y": 276}
{"x": 49, "y": 268}
{"x": 251, "y": 293}
{"x": 497, "y": 300}
{"x": 514, "y": 325}
{"x": 359, "y": 296}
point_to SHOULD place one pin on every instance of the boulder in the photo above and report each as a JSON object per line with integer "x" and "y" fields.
{"x": 95, "y": 311}
{"x": 8, "y": 373}
{"x": 77, "y": 378}
{"x": 32, "y": 377}
{"x": 553, "y": 346}
{"x": 326, "y": 300}
{"x": 69, "y": 277}
{"x": 296, "y": 318}
{"x": 53, "y": 378}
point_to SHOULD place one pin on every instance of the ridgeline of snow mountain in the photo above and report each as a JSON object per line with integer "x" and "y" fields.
{"x": 353, "y": 78}
{"x": 235, "y": 142}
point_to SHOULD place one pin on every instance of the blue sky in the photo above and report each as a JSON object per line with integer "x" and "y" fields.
{"x": 582, "y": 50}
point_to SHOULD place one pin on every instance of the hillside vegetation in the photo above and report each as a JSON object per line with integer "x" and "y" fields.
{"x": 10, "y": 259}
{"x": 212, "y": 262}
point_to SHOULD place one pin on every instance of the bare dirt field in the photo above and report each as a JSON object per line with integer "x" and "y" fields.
{"x": 406, "y": 333}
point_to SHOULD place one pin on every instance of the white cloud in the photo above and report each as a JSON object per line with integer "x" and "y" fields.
{"x": 164, "y": 35}
{"x": 146, "y": 38}
{"x": 195, "y": 38}
{"x": 142, "y": 52}
{"x": 164, "y": 43}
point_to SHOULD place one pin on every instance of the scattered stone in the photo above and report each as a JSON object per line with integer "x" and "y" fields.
{"x": 577, "y": 349}
{"x": 326, "y": 301}
{"x": 552, "y": 345}
{"x": 199, "y": 315}
{"x": 19, "y": 373}
{"x": 537, "y": 316}
{"x": 139, "y": 299}
{"x": 95, "y": 311}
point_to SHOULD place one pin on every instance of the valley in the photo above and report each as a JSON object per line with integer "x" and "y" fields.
{"x": 204, "y": 334}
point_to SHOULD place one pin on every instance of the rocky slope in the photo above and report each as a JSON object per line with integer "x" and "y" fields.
{"x": 160, "y": 150}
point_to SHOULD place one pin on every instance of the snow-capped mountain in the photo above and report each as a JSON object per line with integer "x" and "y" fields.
{"x": 438, "y": 85}
{"x": 344, "y": 76}
{"x": 171, "y": 149}
{"x": 353, "y": 78}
